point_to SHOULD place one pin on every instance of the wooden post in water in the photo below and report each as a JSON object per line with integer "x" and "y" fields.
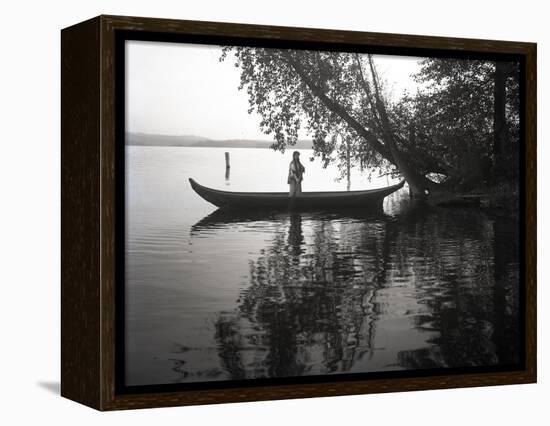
{"x": 227, "y": 166}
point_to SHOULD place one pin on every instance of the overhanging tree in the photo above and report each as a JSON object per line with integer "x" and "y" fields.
{"x": 338, "y": 93}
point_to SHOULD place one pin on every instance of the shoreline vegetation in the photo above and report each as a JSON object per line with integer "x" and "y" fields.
{"x": 499, "y": 198}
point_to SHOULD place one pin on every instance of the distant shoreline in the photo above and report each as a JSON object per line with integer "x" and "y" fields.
{"x": 146, "y": 139}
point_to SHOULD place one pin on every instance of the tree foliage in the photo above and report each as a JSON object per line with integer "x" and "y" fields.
{"x": 317, "y": 91}
{"x": 454, "y": 114}
{"x": 338, "y": 98}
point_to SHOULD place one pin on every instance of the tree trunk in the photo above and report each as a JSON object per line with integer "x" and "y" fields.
{"x": 418, "y": 184}
{"x": 500, "y": 128}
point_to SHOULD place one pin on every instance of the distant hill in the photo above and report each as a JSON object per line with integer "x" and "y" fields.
{"x": 146, "y": 139}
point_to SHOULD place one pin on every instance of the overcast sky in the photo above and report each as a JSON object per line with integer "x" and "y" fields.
{"x": 183, "y": 89}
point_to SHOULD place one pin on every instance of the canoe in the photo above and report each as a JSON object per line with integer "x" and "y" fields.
{"x": 335, "y": 200}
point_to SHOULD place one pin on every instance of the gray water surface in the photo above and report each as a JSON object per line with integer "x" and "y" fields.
{"x": 220, "y": 296}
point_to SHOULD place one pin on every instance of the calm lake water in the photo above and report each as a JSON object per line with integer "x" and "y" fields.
{"x": 213, "y": 296}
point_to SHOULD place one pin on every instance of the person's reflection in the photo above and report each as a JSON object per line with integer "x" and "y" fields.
{"x": 260, "y": 339}
{"x": 295, "y": 236}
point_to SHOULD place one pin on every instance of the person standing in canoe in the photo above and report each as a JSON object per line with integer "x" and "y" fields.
{"x": 295, "y": 175}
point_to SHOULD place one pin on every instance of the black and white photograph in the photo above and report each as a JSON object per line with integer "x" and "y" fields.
{"x": 306, "y": 213}
{"x": 302, "y": 212}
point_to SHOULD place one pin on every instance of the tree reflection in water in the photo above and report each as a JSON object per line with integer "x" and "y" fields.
{"x": 323, "y": 285}
{"x": 308, "y": 308}
{"x": 473, "y": 303}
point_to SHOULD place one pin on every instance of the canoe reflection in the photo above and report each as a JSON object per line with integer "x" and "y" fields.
{"x": 222, "y": 218}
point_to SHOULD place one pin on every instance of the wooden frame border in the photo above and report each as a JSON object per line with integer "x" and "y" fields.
{"x": 88, "y": 212}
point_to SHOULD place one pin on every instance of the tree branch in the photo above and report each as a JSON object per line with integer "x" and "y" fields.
{"x": 368, "y": 93}
{"x": 335, "y": 107}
